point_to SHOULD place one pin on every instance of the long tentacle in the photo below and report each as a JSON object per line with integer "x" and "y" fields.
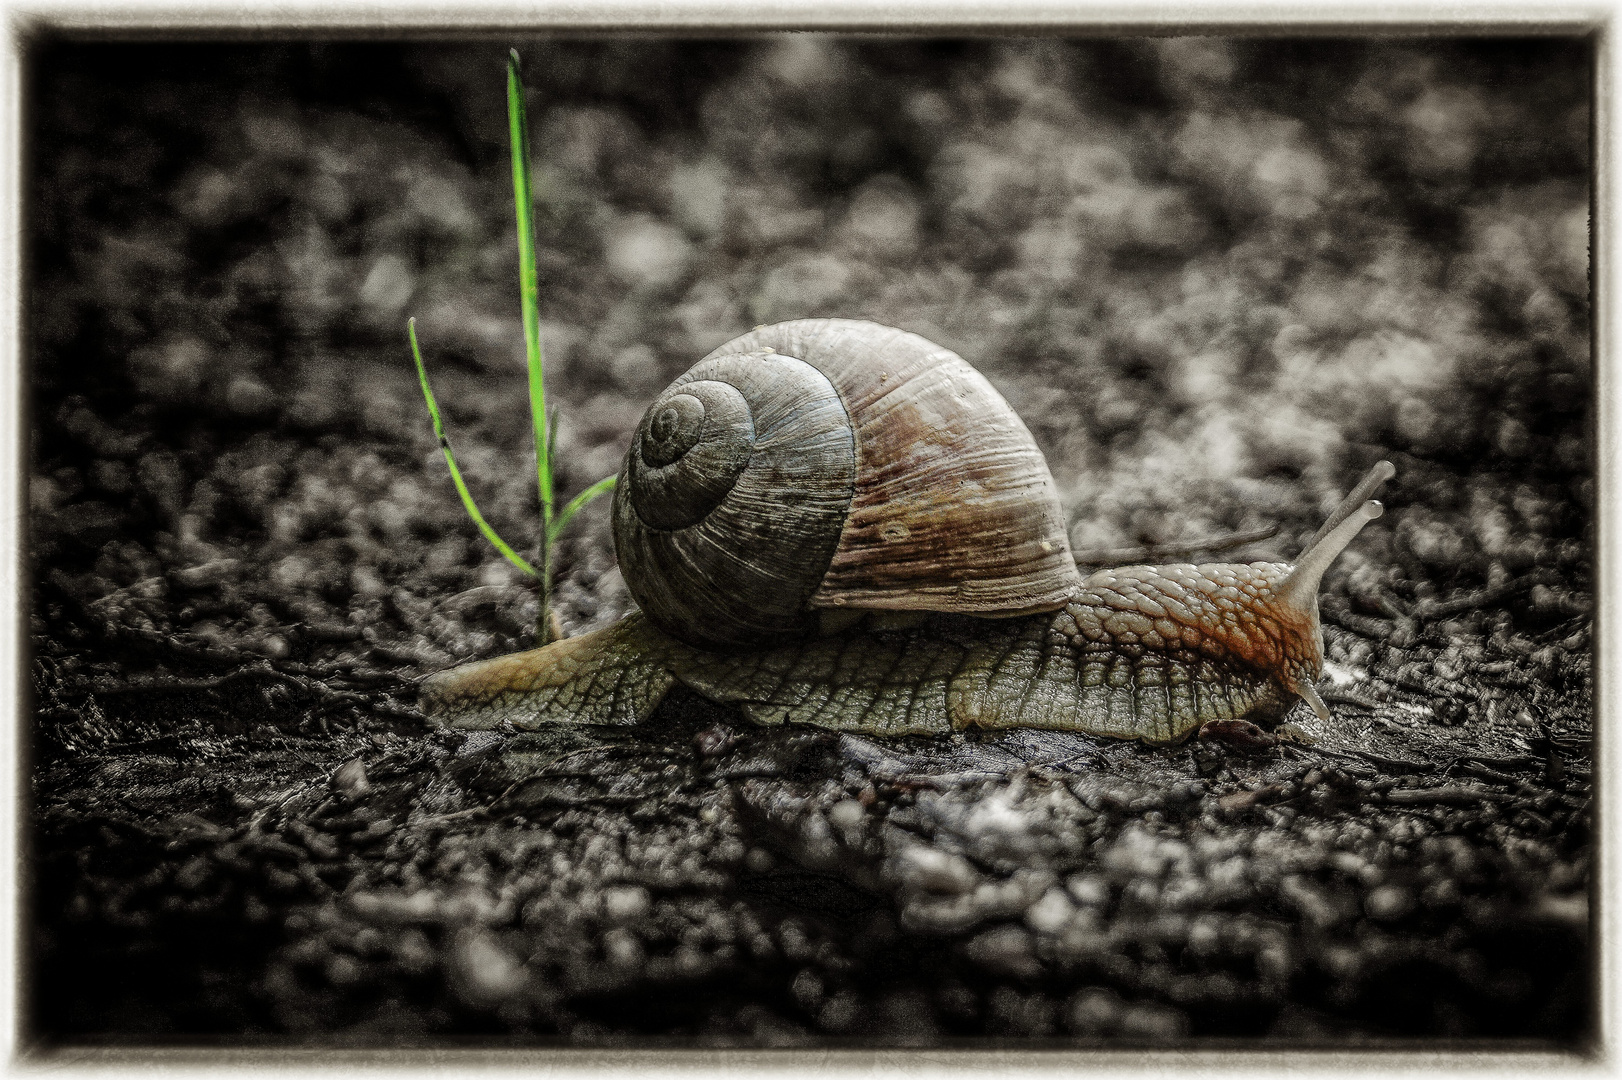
{"x": 1300, "y": 589}
{"x": 1372, "y": 482}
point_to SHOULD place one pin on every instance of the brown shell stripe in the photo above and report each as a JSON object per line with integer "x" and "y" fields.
{"x": 954, "y": 508}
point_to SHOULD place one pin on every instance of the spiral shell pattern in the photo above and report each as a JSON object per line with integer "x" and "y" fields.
{"x": 732, "y": 498}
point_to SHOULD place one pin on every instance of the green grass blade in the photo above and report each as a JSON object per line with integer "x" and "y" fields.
{"x": 552, "y": 434}
{"x": 528, "y": 288}
{"x": 450, "y": 459}
{"x": 576, "y": 504}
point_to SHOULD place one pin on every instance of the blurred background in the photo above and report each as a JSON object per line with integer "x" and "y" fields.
{"x": 1217, "y": 277}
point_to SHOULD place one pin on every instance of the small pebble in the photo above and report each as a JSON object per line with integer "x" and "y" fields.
{"x": 623, "y": 949}
{"x": 1050, "y": 914}
{"x": 1151, "y": 1022}
{"x": 937, "y": 871}
{"x": 623, "y": 903}
{"x": 486, "y": 973}
{"x": 1004, "y": 950}
{"x": 1388, "y": 902}
{"x": 1088, "y": 890}
{"x": 350, "y": 779}
{"x": 1094, "y": 1011}
{"x": 714, "y": 741}
{"x": 840, "y": 1012}
{"x": 847, "y": 813}
{"x": 807, "y": 989}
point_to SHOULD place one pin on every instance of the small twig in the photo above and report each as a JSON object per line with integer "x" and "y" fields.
{"x": 1526, "y": 761}
{"x": 458, "y": 815}
{"x": 1347, "y": 697}
{"x": 1128, "y": 556}
{"x": 1452, "y": 795}
{"x": 1397, "y": 611}
{"x": 748, "y": 772}
{"x": 1482, "y": 772}
{"x": 1432, "y": 686}
{"x": 1064, "y": 763}
{"x": 257, "y": 671}
{"x": 503, "y": 807}
{"x": 330, "y": 632}
{"x": 159, "y": 742}
{"x": 1393, "y": 606}
{"x": 607, "y": 750}
{"x": 1482, "y": 598}
{"x": 1338, "y": 612}
{"x": 1389, "y": 764}
{"x": 171, "y": 645}
{"x": 251, "y": 667}
{"x": 399, "y": 712}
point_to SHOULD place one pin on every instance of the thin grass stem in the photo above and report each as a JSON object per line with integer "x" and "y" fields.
{"x": 601, "y": 487}
{"x": 450, "y": 460}
{"x": 544, "y": 420}
{"x": 528, "y": 279}
{"x": 529, "y": 301}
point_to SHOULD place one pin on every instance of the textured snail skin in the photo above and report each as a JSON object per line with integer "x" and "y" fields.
{"x": 1147, "y": 653}
{"x": 837, "y": 523}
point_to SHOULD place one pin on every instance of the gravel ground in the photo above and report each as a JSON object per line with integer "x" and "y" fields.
{"x": 1218, "y": 279}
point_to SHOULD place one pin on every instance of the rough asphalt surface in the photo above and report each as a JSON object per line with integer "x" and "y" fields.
{"x": 1217, "y": 278}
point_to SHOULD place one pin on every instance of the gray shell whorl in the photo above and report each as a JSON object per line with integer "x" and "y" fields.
{"x": 732, "y": 497}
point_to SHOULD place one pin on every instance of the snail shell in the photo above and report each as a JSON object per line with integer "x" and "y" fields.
{"x": 833, "y": 463}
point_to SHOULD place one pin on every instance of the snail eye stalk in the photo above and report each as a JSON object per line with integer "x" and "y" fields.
{"x": 1372, "y": 482}
{"x": 1300, "y": 589}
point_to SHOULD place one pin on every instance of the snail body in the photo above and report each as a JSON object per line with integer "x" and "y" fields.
{"x": 835, "y": 523}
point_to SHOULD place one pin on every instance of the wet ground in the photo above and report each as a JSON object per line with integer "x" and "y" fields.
{"x": 1218, "y": 280}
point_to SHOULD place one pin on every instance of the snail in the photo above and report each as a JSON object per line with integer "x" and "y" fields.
{"x": 837, "y": 523}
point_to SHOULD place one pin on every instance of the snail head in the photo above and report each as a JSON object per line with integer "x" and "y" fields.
{"x": 1292, "y": 603}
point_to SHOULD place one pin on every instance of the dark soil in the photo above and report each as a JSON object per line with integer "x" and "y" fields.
{"x": 1217, "y": 278}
